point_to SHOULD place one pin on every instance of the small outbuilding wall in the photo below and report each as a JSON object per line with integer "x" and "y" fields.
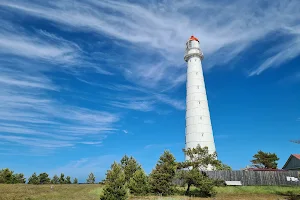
{"x": 293, "y": 163}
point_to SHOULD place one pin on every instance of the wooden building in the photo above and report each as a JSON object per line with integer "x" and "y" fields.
{"x": 293, "y": 163}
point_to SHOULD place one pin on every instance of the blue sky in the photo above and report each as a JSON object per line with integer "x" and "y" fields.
{"x": 83, "y": 83}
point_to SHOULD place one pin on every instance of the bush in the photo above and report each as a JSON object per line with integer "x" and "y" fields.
{"x": 219, "y": 183}
{"x": 194, "y": 177}
{"x": 205, "y": 187}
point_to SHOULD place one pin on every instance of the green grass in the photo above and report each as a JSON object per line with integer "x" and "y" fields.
{"x": 92, "y": 192}
{"x": 257, "y": 190}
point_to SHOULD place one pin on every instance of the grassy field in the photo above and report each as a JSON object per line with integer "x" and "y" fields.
{"x": 92, "y": 192}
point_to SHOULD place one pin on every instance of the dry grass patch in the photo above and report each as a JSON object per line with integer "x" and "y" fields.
{"x": 218, "y": 197}
{"x": 93, "y": 191}
{"x": 44, "y": 192}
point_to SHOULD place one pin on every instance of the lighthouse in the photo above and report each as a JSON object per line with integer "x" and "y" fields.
{"x": 198, "y": 124}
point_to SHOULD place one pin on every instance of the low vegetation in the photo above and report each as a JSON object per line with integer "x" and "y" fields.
{"x": 93, "y": 192}
{"x": 169, "y": 180}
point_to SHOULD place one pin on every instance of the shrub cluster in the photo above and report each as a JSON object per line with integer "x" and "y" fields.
{"x": 128, "y": 178}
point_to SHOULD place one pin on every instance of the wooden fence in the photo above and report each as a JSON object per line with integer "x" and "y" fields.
{"x": 257, "y": 177}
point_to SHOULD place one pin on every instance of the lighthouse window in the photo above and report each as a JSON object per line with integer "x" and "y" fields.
{"x": 197, "y": 86}
{"x": 199, "y": 102}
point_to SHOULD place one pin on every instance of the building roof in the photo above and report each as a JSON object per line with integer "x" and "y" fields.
{"x": 292, "y": 155}
{"x": 297, "y": 156}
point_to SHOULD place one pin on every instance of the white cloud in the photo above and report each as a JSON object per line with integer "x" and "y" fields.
{"x": 225, "y": 29}
{"x": 178, "y": 104}
{"x": 152, "y": 37}
{"x": 148, "y": 121}
{"x": 45, "y": 143}
{"x": 92, "y": 143}
{"x": 31, "y": 116}
{"x": 39, "y": 45}
{"x": 45, "y": 46}
{"x": 284, "y": 54}
{"x": 144, "y": 106}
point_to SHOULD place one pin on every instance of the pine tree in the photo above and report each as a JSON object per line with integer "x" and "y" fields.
{"x": 55, "y": 179}
{"x": 62, "y": 179}
{"x": 265, "y": 160}
{"x": 43, "y": 178}
{"x": 199, "y": 159}
{"x": 161, "y": 177}
{"x": 68, "y": 180}
{"x": 34, "y": 179}
{"x": 6, "y": 176}
{"x": 138, "y": 183}
{"x": 91, "y": 179}
{"x": 18, "y": 178}
{"x": 130, "y": 166}
{"x": 124, "y": 161}
{"x": 75, "y": 181}
{"x": 115, "y": 184}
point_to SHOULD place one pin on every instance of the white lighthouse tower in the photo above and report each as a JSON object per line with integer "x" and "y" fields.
{"x": 198, "y": 123}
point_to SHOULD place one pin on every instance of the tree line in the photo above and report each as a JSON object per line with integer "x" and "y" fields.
{"x": 8, "y": 176}
{"x": 170, "y": 177}
{"x": 127, "y": 177}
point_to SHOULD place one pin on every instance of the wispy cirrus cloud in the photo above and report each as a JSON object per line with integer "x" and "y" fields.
{"x": 144, "y": 43}
{"x": 41, "y": 46}
{"x": 91, "y": 143}
{"x": 134, "y": 105}
{"x": 38, "y": 45}
{"x": 148, "y": 102}
{"x": 149, "y": 121}
{"x": 164, "y": 27}
{"x": 31, "y": 116}
{"x": 285, "y": 53}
